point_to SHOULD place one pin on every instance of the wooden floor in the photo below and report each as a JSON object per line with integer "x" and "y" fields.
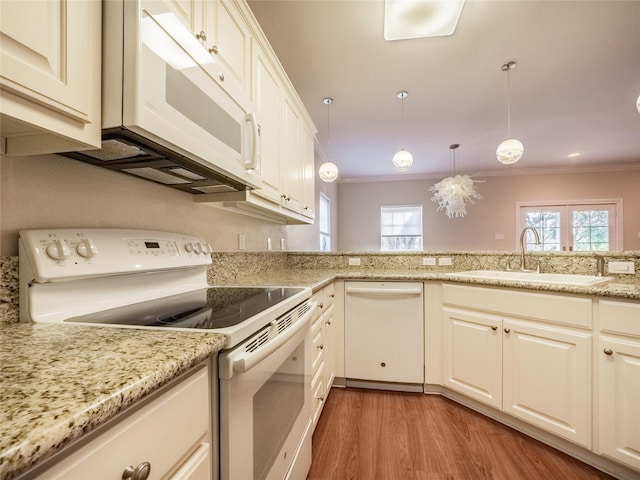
{"x": 376, "y": 435}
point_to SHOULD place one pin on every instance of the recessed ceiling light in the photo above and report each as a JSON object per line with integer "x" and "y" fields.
{"x": 405, "y": 19}
{"x": 574, "y": 154}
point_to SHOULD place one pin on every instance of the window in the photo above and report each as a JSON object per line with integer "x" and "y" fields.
{"x": 324, "y": 223}
{"x": 588, "y": 226}
{"x": 401, "y": 228}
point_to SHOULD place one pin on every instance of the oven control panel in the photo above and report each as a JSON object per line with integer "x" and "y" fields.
{"x": 60, "y": 254}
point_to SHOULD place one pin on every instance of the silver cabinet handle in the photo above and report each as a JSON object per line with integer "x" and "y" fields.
{"x": 141, "y": 472}
{"x": 608, "y": 351}
{"x": 494, "y": 327}
{"x": 507, "y": 330}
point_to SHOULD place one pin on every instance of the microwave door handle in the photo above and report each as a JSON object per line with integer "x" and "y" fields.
{"x": 252, "y": 165}
{"x": 247, "y": 361}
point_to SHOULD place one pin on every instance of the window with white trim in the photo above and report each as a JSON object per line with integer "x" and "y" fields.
{"x": 324, "y": 223}
{"x": 401, "y": 228}
{"x": 585, "y": 226}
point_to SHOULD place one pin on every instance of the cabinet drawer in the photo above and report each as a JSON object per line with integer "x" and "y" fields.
{"x": 329, "y": 295}
{"x": 559, "y": 309}
{"x": 620, "y": 317}
{"x": 160, "y": 433}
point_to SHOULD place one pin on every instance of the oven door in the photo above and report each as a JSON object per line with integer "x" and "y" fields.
{"x": 265, "y": 406}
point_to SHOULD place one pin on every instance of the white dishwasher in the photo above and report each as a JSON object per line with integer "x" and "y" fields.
{"x": 384, "y": 339}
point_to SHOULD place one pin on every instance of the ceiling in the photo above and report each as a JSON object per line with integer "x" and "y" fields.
{"x": 574, "y": 88}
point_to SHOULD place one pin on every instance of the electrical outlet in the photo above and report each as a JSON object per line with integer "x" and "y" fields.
{"x": 430, "y": 261}
{"x": 444, "y": 261}
{"x": 621, "y": 267}
{"x": 354, "y": 262}
{"x": 282, "y": 244}
{"x": 241, "y": 241}
{"x": 269, "y": 246}
{"x": 499, "y": 236}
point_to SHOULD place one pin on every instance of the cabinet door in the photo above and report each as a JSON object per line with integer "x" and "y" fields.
{"x": 292, "y": 188}
{"x": 547, "y": 378}
{"x": 267, "y": 100}
{"x": 329, "y": 346}
{"x": 619, "y": 410}
{"x": 50, "y": 75}
{"x": 384, "y": 332}
{"x": 473, "y": 355}
{"x": 308, "y": 173}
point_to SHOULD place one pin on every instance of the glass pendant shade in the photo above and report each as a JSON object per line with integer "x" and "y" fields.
{"x": 403, "y": 160}
{"x": 328, "y": 172}
{"x": 510, "y": 151}
{"x": 638, "y": 103}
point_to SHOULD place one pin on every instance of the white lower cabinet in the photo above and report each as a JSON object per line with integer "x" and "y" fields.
{"x": 323, "y": 344}
{"x": 618, "y": 355}
{"x": 537, "y": 371}
{"x": 473, "y": 355}
{"x": 171, "y": 436}
{"x": 547, "y": 378}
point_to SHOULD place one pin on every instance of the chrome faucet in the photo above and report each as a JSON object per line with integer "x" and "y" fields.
{"x": 522, "y": 248}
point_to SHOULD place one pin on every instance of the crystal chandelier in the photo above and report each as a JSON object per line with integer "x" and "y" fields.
{"x": 453, "y": 192}
{"x": 511, "y": 150}
{"x": 328, "y": 171}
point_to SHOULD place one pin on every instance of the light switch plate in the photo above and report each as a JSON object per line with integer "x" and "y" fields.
{"x": 621, "y": 267}
{"x": 354, "y": 262}
{"x": 445, "y": 261}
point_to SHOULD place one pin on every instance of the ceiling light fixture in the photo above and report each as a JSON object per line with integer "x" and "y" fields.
{"x": 511, "y": 150}
{"x": 453, "y": 192}
{"x": 406, "y": 19}
{"x": 328, "y": 171}
{"x": 638, "y": 103}
{"x": 403, "y": 158}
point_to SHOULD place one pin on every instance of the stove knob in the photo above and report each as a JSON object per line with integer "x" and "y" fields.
{"x": 209, "y": 248}
{"x": 86, "y": 248}
{"x": 58, "y": 250}
{"x": 189, "y": 247}
{"x": 197, "y": 247}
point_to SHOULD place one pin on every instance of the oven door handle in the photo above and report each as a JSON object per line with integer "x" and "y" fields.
{"x": 247, "y": 361}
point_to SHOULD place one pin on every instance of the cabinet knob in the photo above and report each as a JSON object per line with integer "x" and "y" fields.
{"x": 507, "y": 330}
{"x": 383, "y": 364}
{"x": 321, "y": 398}
{"x": 332, "y": 295}
{"x": 327, "y": 323}
{"x": 213, "y": 49}
{"x": 201, "y": 36}
{"x": 494, "y": 327}
{"x": 321, "y": 347}
{"x": 608, "y": 351}
{"x": 321, "y": 305}
{"x": 221, "y": 77}
{"x": 141, "y": 472}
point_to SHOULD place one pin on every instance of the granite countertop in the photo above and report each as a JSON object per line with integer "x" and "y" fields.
{"x": 59, "y": 382}
{"x": 316, "y": 279}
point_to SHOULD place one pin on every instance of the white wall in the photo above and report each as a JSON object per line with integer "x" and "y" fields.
{"x": 359, "y": 209}
{"x": 55, "y": 191}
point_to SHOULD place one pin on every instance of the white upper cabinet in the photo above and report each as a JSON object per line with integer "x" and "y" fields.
{"x": 50, "y": 76}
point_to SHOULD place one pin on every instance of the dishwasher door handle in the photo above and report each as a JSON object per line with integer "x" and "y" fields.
{"x": 384, "y": 291}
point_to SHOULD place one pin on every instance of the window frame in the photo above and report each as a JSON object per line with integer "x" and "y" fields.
{"x": 420, "y": 247}
{"x": 566, "y": 209}
{"x": 326, "y": 235}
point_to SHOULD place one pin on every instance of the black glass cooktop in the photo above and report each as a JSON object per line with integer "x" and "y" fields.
{"x": 209, "y": 308}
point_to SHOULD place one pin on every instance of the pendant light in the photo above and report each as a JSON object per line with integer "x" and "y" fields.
{"x": 403, "y": 158}
{"x": 511, "y": 150}
{"x": 328, "y": 171}
{"x": 453, "y": 192}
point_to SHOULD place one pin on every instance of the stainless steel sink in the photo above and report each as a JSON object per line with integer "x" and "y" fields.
{"x": 533, "y": 277}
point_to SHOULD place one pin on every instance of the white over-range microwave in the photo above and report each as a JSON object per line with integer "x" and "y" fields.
{"x": 167, "y": 115}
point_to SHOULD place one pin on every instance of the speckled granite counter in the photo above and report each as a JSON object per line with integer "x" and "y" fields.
{"x": 58, "y": 382}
